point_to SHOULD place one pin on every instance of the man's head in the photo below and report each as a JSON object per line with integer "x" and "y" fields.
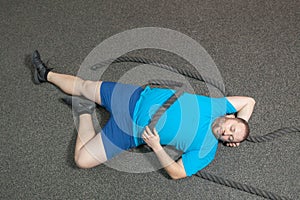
{"x": 230, "y": 129}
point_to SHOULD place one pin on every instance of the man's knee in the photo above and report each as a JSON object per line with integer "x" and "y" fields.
{"x": 82, "y": 163}
{"x": 85, "y": 160}
{"x": 91, "y": 90}
{"x": 85, "y": 163}
{"x": 86, "y": 85}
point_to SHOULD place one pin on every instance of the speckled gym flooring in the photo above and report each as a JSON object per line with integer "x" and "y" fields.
{"x": 255, "y": 45}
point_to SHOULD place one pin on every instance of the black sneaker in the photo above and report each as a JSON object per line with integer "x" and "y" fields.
{"x": 80, "y": 105}
{"x": 40, "y": 69}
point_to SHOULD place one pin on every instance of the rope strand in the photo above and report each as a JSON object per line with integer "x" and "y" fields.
{"x": 239, "y": 186}
{"x": 272, "y": 135}
{"x": 217, "y": 84}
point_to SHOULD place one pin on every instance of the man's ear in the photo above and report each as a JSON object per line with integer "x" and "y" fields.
{"x": 230, "y": 116}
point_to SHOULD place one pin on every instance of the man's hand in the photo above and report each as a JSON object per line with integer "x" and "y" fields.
{"x": 152, "y": 139}
{"x": 232, "y": 144}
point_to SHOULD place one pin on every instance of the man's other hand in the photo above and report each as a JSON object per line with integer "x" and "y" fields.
{"x": 152, "y": 139}
{"x": 232, "y": 144}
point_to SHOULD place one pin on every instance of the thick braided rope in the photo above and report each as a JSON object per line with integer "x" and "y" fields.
{"x": 239, "y": 186}
{"x": 187, "y": 73}
{"x": 173, "y": 98}
{"x": 164, "y": 107}
{"x": 168, "y": 83}
{"x": 184, "y": 72}
{"x": 273, "y": 135}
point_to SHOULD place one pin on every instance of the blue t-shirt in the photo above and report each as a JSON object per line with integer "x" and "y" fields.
{"x": 186, "y": 125}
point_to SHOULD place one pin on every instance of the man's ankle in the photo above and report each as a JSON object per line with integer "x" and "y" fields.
{"x": 48, "y": 75}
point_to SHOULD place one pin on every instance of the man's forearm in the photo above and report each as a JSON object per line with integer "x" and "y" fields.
{"x": 175, "y": 170}
{"x": 164, "y": 159}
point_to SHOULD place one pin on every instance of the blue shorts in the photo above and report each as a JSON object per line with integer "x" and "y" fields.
{"x": 119, "y": 99}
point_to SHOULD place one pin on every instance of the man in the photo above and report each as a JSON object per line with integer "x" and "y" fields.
{"x": 193, "y": 124}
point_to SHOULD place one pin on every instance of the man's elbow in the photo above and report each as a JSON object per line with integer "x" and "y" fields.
{"x": 252, "y": 100}
{"x": 178, "y": 176}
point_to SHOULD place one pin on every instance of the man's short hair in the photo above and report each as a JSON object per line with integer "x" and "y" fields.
{"x": 247, "y": 129}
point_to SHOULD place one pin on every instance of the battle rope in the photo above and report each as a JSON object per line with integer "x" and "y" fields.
{"x": 166, "y": 105}
{"x": 174, "y": 97}
{"x": 187, "y": 73}
{"x": 239, "y": 186}
{"x": 272, "y": 135}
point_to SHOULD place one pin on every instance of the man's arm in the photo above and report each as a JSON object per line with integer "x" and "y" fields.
{"x": 243, "y": 105}
{"x": 174, "y": 169}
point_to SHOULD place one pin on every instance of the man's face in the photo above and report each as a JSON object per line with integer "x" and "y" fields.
{"x": 228, "y": 129}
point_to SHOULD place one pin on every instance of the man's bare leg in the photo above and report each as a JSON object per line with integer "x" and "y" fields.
{"x": 89, "y": 149}
{"x": 76, "y": 86}
{"x": 69, "y": 84}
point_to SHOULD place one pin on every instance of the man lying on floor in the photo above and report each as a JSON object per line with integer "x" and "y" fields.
{"x": 193, "y": 124}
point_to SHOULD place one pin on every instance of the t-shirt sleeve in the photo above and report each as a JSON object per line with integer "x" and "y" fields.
{"x": 219, "y": 107}
{"x": 193, "y": 162}
{"x": 229, "y": 107}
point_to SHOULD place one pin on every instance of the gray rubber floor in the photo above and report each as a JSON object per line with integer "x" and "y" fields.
{"x": 255, "y": 45}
